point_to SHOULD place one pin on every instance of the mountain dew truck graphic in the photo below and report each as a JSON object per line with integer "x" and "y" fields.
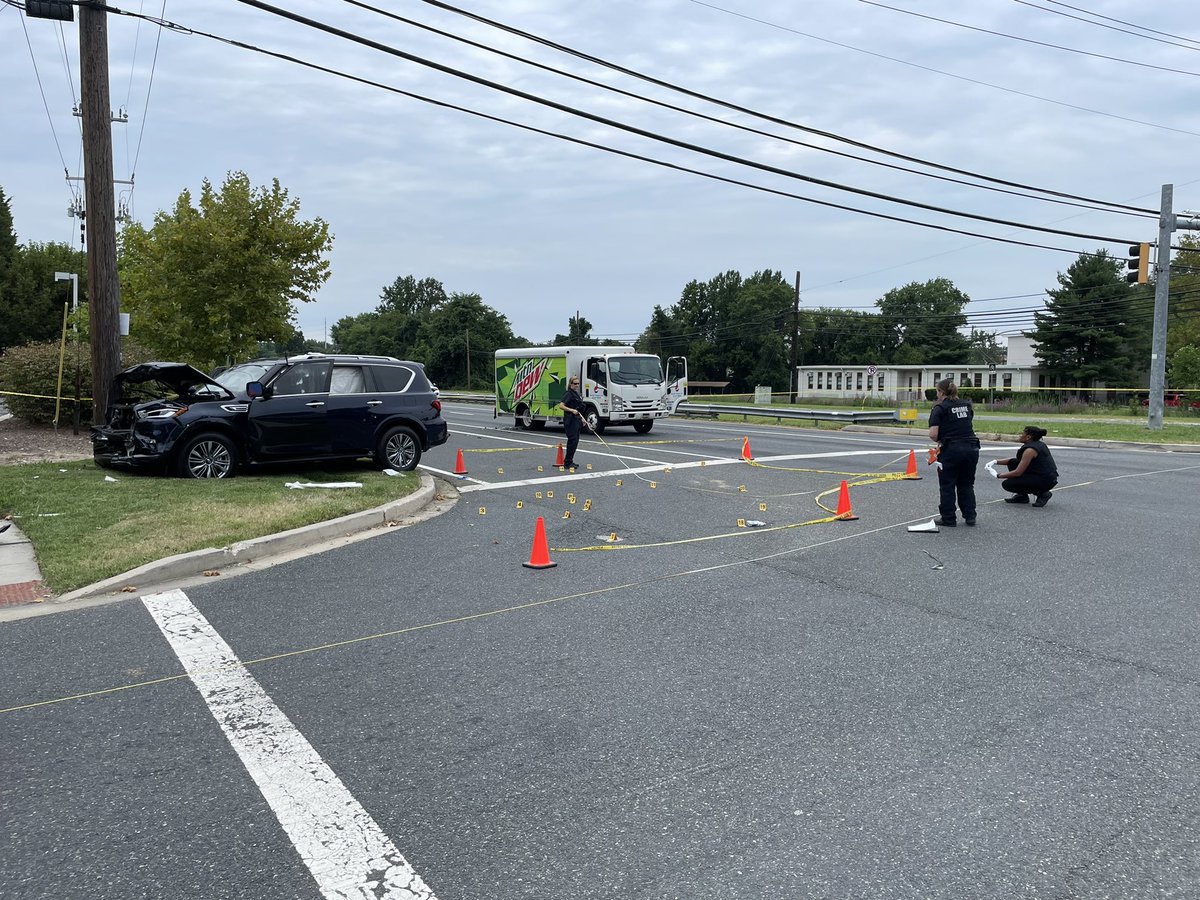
{"x": 619, "y": 386}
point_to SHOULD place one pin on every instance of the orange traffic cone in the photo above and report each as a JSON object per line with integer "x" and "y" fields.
{"x": 911, "y": 471}
{"x": 844, "y": 511}
{"x": 539, "y": 557}
{"x": 459, "y": 467}
{"x": 559, "y": 460}
{"x": 746, "y": 454}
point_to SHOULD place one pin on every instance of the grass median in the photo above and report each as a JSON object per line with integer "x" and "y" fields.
{"x": 85, "y": 528}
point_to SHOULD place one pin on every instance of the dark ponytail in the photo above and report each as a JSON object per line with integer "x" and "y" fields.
{"x": 948, "y": 387}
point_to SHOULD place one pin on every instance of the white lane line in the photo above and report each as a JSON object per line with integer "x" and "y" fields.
{"x": 345, "y": 850}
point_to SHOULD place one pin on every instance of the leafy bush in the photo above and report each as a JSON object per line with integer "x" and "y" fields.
{"x": 29, "y": 378}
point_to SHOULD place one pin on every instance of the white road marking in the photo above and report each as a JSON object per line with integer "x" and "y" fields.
{"x": 345, "y": 850}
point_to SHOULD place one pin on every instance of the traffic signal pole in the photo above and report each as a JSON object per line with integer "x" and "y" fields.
{"x": 1168, "y": 224}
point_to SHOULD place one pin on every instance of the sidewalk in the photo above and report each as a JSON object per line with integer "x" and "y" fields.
{"x": 20, "y": 578}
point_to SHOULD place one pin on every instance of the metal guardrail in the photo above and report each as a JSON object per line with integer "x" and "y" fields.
{"x": 712, "y": 410}
{"x": 779, "y": 413}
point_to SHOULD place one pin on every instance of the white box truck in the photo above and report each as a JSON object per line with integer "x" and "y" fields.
{"x": 619, "y": 386}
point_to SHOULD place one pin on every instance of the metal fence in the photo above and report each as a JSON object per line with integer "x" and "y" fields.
{"x": 712, "y": 410}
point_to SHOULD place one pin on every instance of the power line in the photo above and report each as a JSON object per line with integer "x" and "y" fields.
{"x": 1145, "y": 37}
{"x": 1111, "y": 207}
{"x": 1013, "y": 37}
{"x": 905, "y": 62}
{"x": 641, "y": 132}
{"x": 1122, "y": 22}
{"x": 596, "y": 146}
{"x": 439, "y": 4}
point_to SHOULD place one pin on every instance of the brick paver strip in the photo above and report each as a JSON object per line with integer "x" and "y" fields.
{"x": 25, "y": 592}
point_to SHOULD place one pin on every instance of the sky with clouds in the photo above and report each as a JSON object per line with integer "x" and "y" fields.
{"x": 1095, "y": 99}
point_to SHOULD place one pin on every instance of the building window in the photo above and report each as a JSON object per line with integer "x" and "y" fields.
{"x": 820, "y": 381}
{"x": 870, "y": 381}
{"x": 978, "y": 379}
{"x": 839, "y": 381}
{"x": 1041, "y": 380}
{"x": 879, "y": 382}
{"x": 992, "y": 380}
{"x": 810, "y": 381}
{"x": 937, "y": 376}
{"x": 858, "y": 382}
{"x": 1008, "y": 380}
{"x": 965, "y": 381}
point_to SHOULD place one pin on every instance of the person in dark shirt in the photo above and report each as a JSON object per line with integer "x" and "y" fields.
{"x": 572, "y": 409}
{"x": 958, "y": 453}
{"x": 1031, "y": 471}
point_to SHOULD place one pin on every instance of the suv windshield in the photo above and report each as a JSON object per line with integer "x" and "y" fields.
{"x": 635, "y": 370}
{"x": 238, "y": 377}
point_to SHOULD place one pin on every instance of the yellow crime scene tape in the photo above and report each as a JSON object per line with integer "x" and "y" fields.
{"x": 44, "y": 397}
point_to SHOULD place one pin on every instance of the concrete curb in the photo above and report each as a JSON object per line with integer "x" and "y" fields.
{"x": 1064, "y": 441}
{"x": 197, "y": 562}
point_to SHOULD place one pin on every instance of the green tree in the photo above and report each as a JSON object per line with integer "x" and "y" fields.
{"x": 579, "y": 334}
{"x": 1094, "y": 327}
{"x": 925, "y": 320}
{"x": 1183, "y": 322}
{"x": 460, "y": 338}
{"x": 843, "y": 337}
{"x": 1185, "y": 369}
{"x": 209, "y": 281}
{"x": 731, "y": 329}
{"x": 32, "y": 301}
{"x": 417, "y": 320}
{"x": 410, "y": 297}
{"x": 984, "y": 348}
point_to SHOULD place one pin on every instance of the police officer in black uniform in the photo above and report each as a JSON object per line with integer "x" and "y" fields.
{"x": 572, "y": 409}
{"x": 958, "y": 453}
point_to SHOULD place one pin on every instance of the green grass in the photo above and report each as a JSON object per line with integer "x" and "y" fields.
{"x": 84, "y": 529}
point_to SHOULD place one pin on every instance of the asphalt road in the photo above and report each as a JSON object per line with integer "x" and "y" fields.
{"x": 835, "y": 709}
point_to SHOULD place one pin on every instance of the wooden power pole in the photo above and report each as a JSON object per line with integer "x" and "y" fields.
{"x": 103, "y": 285}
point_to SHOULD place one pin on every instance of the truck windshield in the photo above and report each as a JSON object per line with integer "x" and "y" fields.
{"x": 635, "y": 370}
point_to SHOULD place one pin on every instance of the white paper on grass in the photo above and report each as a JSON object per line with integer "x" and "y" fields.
{"x": 390, "y": 472}
{"x": 929, "y": 526}
{"x": 300, "y": 485}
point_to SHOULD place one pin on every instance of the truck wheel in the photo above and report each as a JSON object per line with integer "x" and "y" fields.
{"x": 207, "y": 455}
{"x": 398, "y": 449}
{"x": 643, "y": 427}
{"x": 525, "y": 418}
{"x": 595, "y": 424}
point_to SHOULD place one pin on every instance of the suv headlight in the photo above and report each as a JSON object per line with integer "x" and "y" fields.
{"x": 164, "y": 413}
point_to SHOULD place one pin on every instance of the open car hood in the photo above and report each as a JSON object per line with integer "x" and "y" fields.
{"x": 184, "y": 379}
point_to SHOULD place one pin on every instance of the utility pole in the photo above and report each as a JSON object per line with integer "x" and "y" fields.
{"x": 468, "y": 359}
{"x": 103, "y": 285}
{"x": 1168, "y": 222}
{"x": 794, "y": 375}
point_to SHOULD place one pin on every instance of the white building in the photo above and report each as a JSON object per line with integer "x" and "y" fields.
{"x": 904, "y": 384}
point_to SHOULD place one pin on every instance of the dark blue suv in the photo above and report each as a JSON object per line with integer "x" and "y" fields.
{"x": 170, "y": 417}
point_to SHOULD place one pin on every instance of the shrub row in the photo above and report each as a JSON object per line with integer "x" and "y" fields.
{"x": 29, "y": 379}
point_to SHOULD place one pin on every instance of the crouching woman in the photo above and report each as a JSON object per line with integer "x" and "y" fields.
{"x": 1031, "y": 471}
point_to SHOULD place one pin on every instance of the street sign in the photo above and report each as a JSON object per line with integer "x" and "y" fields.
{"x": 991, "y": 367}
{"x": 871, "y": 370}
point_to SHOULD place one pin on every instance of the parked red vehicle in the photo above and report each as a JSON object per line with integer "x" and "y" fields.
{"x": 1175, "y": 400}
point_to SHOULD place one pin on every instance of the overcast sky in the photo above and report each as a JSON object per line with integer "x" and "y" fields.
{"x": 541, "y": 228}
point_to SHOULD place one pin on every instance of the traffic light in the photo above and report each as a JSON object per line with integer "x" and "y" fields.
{"x": 1139, "y": 264}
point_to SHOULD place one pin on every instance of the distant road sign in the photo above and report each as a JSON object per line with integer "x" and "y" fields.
{"x": 871, "y": 370}
{"x": 992, "y": 367}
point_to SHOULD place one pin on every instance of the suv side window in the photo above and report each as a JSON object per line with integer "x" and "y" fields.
{"x": 392, "y": 379}
{"x": 347, "y": 380}
{"x": 303, "y": 378}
